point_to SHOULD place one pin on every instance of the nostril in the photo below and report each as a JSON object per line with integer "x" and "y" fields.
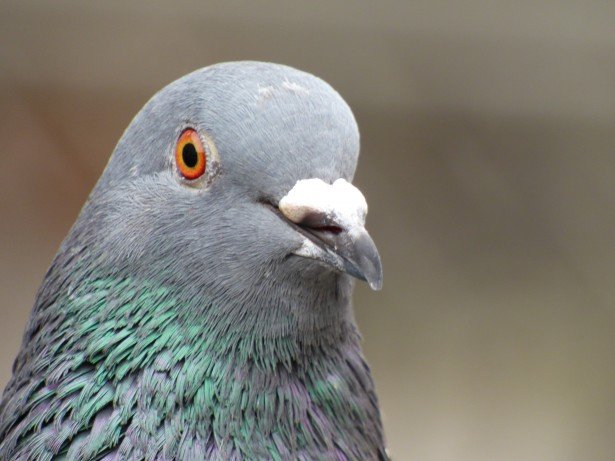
{"x": 313, "y": 221}
{"x": 316, "y": 220}
{"x": 328, "y": 229}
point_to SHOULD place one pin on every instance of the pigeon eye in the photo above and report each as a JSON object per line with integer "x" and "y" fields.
{"x": 190, "y": 155}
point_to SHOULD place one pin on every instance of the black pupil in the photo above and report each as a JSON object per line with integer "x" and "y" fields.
{"x": 189, "y": 155}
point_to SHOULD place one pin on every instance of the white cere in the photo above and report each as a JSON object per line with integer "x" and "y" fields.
{"x": 342, "y": 202}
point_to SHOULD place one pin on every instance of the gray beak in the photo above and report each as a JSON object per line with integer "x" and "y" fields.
{"x": 332, "y": 220}
{"x": 362, "y": 259}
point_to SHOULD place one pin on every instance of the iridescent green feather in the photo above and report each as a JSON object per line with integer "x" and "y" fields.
{"x": 138, "y": 374}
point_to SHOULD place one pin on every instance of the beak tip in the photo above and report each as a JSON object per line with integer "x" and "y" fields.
{"x": 375, "y": 285}
{"x": 374, "y": 277}
{"x": 367, "y": 261}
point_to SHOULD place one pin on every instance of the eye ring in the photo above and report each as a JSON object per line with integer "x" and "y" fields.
{"x": 190, "y": 155}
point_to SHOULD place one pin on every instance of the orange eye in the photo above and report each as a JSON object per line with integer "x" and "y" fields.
{"x": 190, "y": 155}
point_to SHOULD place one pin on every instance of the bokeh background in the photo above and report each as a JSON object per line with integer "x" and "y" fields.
{"x": 488, "y": 161}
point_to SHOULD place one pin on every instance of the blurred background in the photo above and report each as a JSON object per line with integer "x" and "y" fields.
{"x": 488, "y": 161}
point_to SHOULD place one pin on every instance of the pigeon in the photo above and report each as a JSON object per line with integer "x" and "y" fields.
{"x": 200, "y": 306}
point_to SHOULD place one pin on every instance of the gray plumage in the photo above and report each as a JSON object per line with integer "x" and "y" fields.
{"x": 177, "y": 321}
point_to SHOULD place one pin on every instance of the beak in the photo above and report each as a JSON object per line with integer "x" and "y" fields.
{"x": 331, "y": 218}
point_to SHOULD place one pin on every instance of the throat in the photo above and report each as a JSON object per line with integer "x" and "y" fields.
{"x": 267, "y": 323}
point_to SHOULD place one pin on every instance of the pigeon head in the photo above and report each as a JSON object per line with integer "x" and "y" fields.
{"x": 234, "y": 181}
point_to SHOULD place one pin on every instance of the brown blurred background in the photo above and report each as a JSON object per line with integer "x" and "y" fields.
{"x": 488, "y": 162}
